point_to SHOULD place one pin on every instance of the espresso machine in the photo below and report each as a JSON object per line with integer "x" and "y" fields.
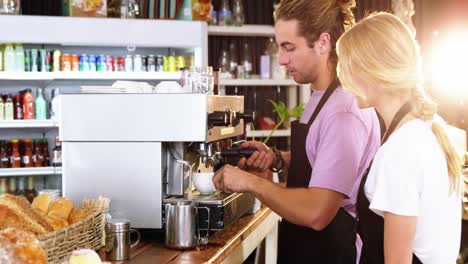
{"x": 139, "y": 150}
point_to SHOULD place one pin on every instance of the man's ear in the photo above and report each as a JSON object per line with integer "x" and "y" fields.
{"x": 324, "y": 43}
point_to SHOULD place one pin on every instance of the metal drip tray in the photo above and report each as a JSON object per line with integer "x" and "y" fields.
{"x": 224, "y": 208}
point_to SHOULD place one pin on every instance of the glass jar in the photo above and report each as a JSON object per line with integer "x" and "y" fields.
{"x": 4, "y": 157}
{"x": 238, "y": 13}
{"x": 10, "y": 7}
{"x": 201, "y": 80}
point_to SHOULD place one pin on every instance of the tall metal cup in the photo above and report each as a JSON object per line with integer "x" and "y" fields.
{"x": 182, "y": 230}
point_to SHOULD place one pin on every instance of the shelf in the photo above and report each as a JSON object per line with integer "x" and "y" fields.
{"x": 265, "y": 133}
{"x": 246, "y": 30}
{"x": 28, "y": 124}
{"x": 257, "y": 82}
{"x": 50, "y": 76}
{"x": 30, "y": 171}
{"x": 86, "y": 31}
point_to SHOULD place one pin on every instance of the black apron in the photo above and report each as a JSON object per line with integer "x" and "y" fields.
{"x": 370, "y": 224}
{"x": 299, "y": 244}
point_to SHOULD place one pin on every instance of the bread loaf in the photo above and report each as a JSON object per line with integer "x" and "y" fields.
{"x": 42, "y": 202}
{"x": 15, "y": 212}
{"x": 57, "y": 222}
{"x": 84, "y": 256}
{"x": 61, "y": 207}
{"x": 26, "y": 248}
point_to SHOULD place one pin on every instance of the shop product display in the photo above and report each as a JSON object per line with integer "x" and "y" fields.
{"x": 17, "y": 153}
{"x": 18, "y": 59}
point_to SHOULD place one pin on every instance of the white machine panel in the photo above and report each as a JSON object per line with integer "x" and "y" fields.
{"x": 133, "y": 117}
{"x": 129, "y": 173}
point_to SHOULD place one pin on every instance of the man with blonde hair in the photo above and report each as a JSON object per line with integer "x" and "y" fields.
{"x": 331, "y": 145}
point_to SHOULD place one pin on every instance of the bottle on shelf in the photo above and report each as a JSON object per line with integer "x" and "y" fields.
{"x": 1, "y": 58}
{"x": 224, "y": 65}
{"x": 9, "y": 112}
{"x": 27, "y": 157}
{"x": 238, "y": 13}
{"x": 233, "y": 59}
{"x": 4, "y": 157}
{"x": 11, "y": 185}
{"x": 3, "y": 185}
{"x": 225, "y": 14}
{"x": 9, "y": 64}
{"x": 2, "y": 107}
{"x": 11, "y": 7}
{"x": 30, "y": 192}
{"x": 18, "y": 108}
{"x": 278, "y": 72}
{"x": 55, "y": 104}
{"x": 57, "y": 153}
{"x": 20, "y": 186}
{"x": 247, "y": 61}
{"x": 28, "y": 105}
{"x": 45, "y": 151}
{"x": 38, "y": 155}
{"x": 265, "y": 64}
{"x": 41, "y": 106}
{"x": 19, "y": 58}
{"x": 15, "y": 156}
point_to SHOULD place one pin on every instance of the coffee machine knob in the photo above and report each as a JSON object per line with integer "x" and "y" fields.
{"x": 219, "y": 119}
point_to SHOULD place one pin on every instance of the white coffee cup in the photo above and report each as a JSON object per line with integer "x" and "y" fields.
{"x": 203, "y": 182}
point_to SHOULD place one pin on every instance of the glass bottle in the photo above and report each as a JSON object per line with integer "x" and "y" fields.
{"x": 225, "y": 14}
{"x": 19, "y": 58}
{"x": 4, "y": 157}
{"x": 9, "y": 112}
{"x": 38, "y": 155}
{"x": 41, "y": 106}
{"x": 3, "y": 185}
{"x": 247, "y": 61}
{"x": 57, "y": 153}
{"x": 9, "y": 60}
{"x": 11, "y": 185}
{"x": 2, "y": 107}
{"x": 233, "y": 59}
{"x": 45, "y": 151}
{"x": 18, "y": 108}
{"x": 15, "y": 157}
{"x": 20, "y": 186}
{"x": 238, "y": 13}
{"x": 30, "y": 192}
{"x": 27, "y": 157}
{"x": 28, "y": 105}
{"x": 54, "y": 104}
{"x": 224, "y": 62}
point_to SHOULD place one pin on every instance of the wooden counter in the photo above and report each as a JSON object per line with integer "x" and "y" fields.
{"x": 231, "y": 245}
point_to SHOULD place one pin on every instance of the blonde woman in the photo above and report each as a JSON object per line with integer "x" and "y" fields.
{"x": 409, "y": 206}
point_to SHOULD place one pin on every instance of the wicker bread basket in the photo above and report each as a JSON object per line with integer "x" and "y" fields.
{"x": 88, "y": 233}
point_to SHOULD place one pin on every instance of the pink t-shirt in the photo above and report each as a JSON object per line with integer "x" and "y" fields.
{"x": 341, "y": 143}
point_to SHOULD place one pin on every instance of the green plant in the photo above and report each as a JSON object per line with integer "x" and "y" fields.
{"x": 284, "y": 113}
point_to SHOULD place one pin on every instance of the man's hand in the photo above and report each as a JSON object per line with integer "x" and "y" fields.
{"x": 231, "y": 179}
{"x": 260, "y": 160}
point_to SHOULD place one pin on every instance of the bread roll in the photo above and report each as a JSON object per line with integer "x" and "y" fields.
{"x": 61, "y": 207}
{"x": 79, "y": 213}
{"x": 84, "y": 256}
{"x": 57, "y": 222}
{"x": 7, "y": 252}
{"x": 26, "y": 247}
{"x": 42, "y": 202}
{"x": 14, "y": 212}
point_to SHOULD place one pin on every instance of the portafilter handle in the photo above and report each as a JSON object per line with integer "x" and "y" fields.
{"x": 232, "y": 156}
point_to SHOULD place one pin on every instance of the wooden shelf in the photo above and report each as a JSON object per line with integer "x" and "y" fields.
{"x": 245, "y": 30}
{"x": 257, "y": 82}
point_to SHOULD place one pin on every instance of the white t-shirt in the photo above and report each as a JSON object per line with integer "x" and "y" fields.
{"x": 409, "y": 177}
